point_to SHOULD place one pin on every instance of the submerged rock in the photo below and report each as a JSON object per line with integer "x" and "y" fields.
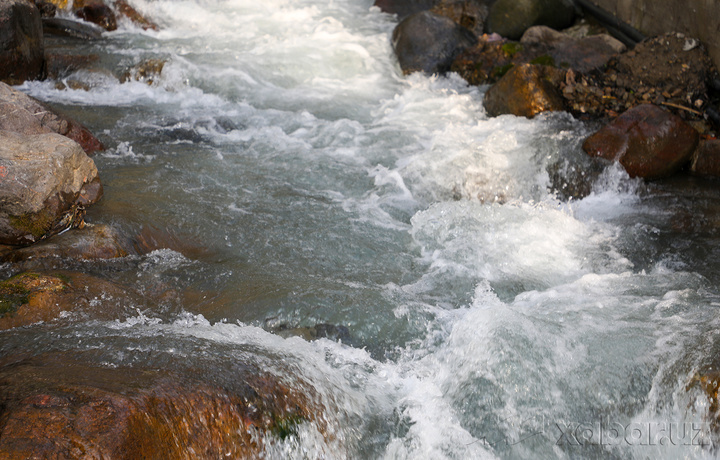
{"x": 429, "y": 43}
{"x": 91, "y": 242}
{"x": 31, "y": 116}
{"x": 41, "y": 296}
{"x": 525, "y": 91}
{"x": 54, "y": 407}
{"x": 47, "y": 181}
{"x": 511, "y": 18}
{"x": 21, "y": 42}
{"x": 648, "y": 142}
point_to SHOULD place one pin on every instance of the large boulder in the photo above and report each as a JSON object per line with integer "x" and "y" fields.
{"x": 21, "y": 42}
{"x": 31, "y": 116}
{"x": 525, "y": 91}
{"x": 54, "y": 406}
{"x": 648, "y": 142}
{"x": 47, "y": 181}
{"x": 511, "y": 18}
{"x": 429, "y": 43}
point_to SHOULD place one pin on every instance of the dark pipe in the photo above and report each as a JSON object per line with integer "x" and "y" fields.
{"x": 630, "y": 36}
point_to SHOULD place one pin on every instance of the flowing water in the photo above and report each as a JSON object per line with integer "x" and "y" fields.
{"x": 487, "y": 315}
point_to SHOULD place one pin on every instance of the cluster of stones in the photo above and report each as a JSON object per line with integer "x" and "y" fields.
{"x": 54, "y": 405}
{"x": 655, "y": 97}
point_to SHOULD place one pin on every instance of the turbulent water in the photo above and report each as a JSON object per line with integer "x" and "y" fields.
{"x": 489, "y": 314}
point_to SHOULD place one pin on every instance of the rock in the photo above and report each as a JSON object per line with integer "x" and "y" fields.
{"x": 648, "y": 141}
{"x": 147, "y": 71}
{"x": 125, "y": 10}
{"x": 470, "y": 14}
{"x": 40, "y": 296}
{"x": 706, "y": 159}
{"x": 21, "y": 42}
{"x": 524, "y": 91}
{"x": 60, "y": 66}
{"x": 47, "y": 9}
{"x": 98, "y": 13}
{"x": 404, "y": 8}
{"x": 69, "y": 28}
{"x": 511, "y": 18}
{"x": 91, "y": 242}
{"x": 54, "y": 406}
{"x": 30, "y": 116}
{"x": 429, "y": 43}
{"x": 47, "y": 181}
{"x": 582, "y": 55}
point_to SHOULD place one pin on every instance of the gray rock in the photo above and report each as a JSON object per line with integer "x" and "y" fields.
{"x": 22, "y": 114}
{"x": 429, "y": 43}
{"x": 22, "y": 54}
{"x": 46, "y": 181}
{"x": 511, "y": 18}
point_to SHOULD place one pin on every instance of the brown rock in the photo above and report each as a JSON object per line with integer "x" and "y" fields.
{"x": 21, "y": 45}
{"x": 98, "y": 13}
{"x": 55, "y": 407}
{"x": 404, "y": 8}
{"x": 706, "y": 159}
{"x": 35, "y": 296}
{"x": 470, "y": 14}
{"x": 61, "y": 65}
{"x": 125, "y": 10}
{"x": 524, "y": 91}
{"x": 88, "y": 243}
{"x": 25, "y": 115}
{"x": 648, "y": 141}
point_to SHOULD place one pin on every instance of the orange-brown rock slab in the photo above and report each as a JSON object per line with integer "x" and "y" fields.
{"x": 525, "y": 91}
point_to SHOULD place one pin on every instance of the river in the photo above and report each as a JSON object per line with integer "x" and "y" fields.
{"x": 488, "y": 315}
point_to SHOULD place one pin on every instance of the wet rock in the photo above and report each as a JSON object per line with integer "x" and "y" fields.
{"x": 319, "y": 331}
{"x": 62, "y": 65}
{"x": 429, "y": 43}
{"x": 706, "y": 159}
{"x": 524, "y": 91}
{"x": 98, "y": 13}
{"x": 47, "y": 9}
{"x": 47, "y": 181}
{"x": 126, "y": 11}
{"x": 91, "y": 242}
{"x": 511, "y": 18}
{"x": 648, "y": 142}
{"x": 470, "y": 14}
{"x": 21, "y": 42}
{"x": 30, "y": 116}
{"x": 404, "y": 8}
{"x": 40, "y": 296}
{"x": 147, "y": 71}
{"x": 69, "y": 28}
{"x": 582, "y": 55}
{"x": 53, "y": 407}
